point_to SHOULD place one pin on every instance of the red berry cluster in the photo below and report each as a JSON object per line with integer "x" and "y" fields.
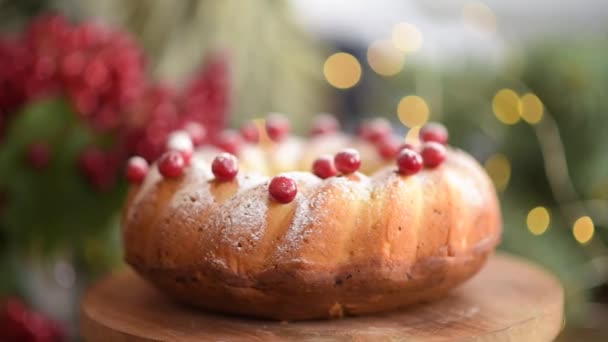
{"x": 206, "y": 99}
{"x": 100, "y": 70}
{"x": 346, "y": 162}
{"x": 20, "y": 324}
{"x": 432, "y": 152}
{"x": 200, "y": 110}
{"x": 277, "y": 129}
{"x": 323, "y": 167}
{"x": 180, "y": 149}
{"x": 380, "y": 133}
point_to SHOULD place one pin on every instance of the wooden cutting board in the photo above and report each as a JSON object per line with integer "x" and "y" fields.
{"x": 509, "y": 300}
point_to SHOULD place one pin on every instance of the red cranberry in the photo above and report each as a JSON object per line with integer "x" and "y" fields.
{"x": 171, "y": 164}
{"x": 406, "y": 145}
{"x": 283, "y": 189}
{"x": 277, "y": 127}
{"x": 39, "y": 155}
{"x": 347, "y": 161}
{"x": 433, "y": 154}
{"x": 92, "y": 164}
{"x": 230, "y": 141}
{"x": 434, "y": 132}
{"x": 324, "y": 167}
{"x": 375, "y": 129}
{"x": 225, "y": 166}
{"x": 44, "y": 67}
{"x": 250, "y": 132}
{"x": 137, "y": 169}
{"x": 197, "y": 133}
{"x": 72, "y": 64}
{"x": 96, "y": 73}
{"x": 409, "y": 162}
{"x": 19, "y": 323}
{"x": 180, "y": 141}
{"x": 388, "y": 147}
{"x": 324, "y": 124}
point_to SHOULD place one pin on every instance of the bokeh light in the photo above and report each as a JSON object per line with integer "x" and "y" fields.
{"x": 479, "y": 17}
{"x": 538, "y": 220}
{"x": 506, "y": 106}
{"x": 342, "y": 70}
{"x": 406, "y": 37}
{"x": 583, "y": 229}
{"x": 498, "y": 168}
{"x": 413, "y": 135}
{"x": 413, "y": 111}
{"x": 531, "y": 108}
{"x": 263, "y": 137}
{"x": 384, "y": 58}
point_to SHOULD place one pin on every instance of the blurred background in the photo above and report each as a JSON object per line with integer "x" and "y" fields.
{"x": 84, "y": 84}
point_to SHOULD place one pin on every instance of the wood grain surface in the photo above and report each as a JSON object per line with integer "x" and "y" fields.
{"x": 509, "y": 300}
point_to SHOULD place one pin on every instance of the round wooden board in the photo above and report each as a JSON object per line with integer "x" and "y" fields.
{"x": 509, "y": 300}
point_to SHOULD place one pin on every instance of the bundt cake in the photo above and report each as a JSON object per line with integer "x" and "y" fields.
{"x": 216, "y": 230}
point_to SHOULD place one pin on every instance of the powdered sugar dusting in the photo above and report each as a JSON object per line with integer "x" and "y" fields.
{"x": 242, "y": 218}
{"x": 192, "y": 199}
{"x": 309, "y": 212}
{"x": 312, "y": 208}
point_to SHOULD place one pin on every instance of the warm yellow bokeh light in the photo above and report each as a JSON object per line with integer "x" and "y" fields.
{"x": 406, "y": 37}
{"x": 413, "y": 135}
{"x": 506, "y": 106}
{"x": 413, "y": 111}
{"x": 538, "y": 220}
{"x": 263, "y": 138}
{"x": 384, "y": 58}
{"x": 479, "y": 17}
{"x": 498, "y": 168}
{"x": 342, "y": 70}
{"x": 531, "y": 108}
{"x": 583, "y": 229}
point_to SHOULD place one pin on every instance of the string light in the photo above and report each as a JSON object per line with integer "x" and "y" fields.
{"x": 479, "y": 17}
{"x": 498, "y": 168}
{"x": 342, "y": 70}
{"x": 384, "y": 58}
{"x": 538, "y": 220}
{"x": 413, "y": 111}
{"x": 583, "y": 229}
{"x": 506, "y": 105}
{"x": 406, "y": 37}
{"x": 531, "y": 108}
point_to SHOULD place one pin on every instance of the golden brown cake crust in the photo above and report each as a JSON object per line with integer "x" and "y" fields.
{"x": 345, "y": 246}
